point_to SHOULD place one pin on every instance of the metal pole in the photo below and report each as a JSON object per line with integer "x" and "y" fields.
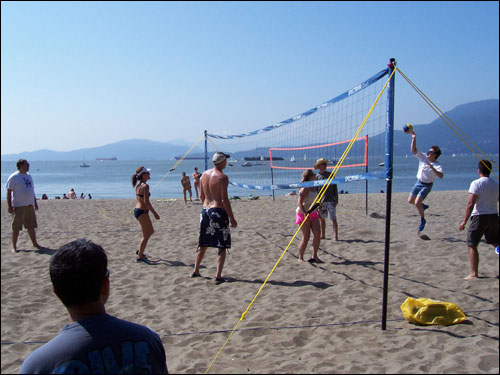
{"x": 206, "y": 151}
{"x": 389, "y": 140}
{"x": 366, "y": 181}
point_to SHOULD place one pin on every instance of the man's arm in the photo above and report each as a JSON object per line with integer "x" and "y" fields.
{"x": 9, "y": 201}
{"x": 414, "y": 143}
{"x": 468, "y": 210}
{"x": 225, "y": 201}
{"x": 438, "y": 173}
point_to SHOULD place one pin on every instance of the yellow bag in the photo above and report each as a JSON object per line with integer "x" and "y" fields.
{"x": 424, "y": 311}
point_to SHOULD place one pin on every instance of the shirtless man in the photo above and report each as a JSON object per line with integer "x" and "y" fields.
{"x": 216, "y": 215}
{"x": 186, "y": 186}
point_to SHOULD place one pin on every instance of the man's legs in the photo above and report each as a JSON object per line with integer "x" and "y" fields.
{"x": 199, "y": 257}
{"x": 474, "y": 262}
{"x": 323, "y": 228}
{"x": 15, "y": 236}
{"x": 221, "y": 258}
{"x": 32, "y": 234}
{"x": 335, "y": 229}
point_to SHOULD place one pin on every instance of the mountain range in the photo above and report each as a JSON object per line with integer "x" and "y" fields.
{"x": 477, "y": 120}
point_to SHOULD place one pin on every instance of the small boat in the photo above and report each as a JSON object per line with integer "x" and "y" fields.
{"x": 246, "y": 164}
{"x": 453, "y": 155}
{"x": 84, "y": 165}
{"x": 232, "y": 160}
{"x": 305, "y": 157}
{"x": 381, "y": 164}
{"x": 292, "y": 159}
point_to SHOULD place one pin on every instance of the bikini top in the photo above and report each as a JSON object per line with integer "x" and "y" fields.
{"x": 142, "y": 195}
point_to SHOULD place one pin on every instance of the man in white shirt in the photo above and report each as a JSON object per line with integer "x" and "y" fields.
{"x": 21, "y": 202}
{"x": 482, "y": 205}
{"x": 428, "y": 169}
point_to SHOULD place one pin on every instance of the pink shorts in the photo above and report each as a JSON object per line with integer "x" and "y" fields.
{"x": 300, "y": 217}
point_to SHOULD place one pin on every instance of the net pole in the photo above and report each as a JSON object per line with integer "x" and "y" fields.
{"x": 366, "y": 180}
{"x": 206, "y": 151}
{"x": 389, "y": 140}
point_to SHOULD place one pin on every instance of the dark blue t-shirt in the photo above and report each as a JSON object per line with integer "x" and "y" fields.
{"x": 101, "y": 344}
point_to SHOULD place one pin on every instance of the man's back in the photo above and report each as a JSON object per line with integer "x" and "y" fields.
{"x": 100, "y": 344}
{"x": 487, "y": 191}
{"x": 214, "y": 186}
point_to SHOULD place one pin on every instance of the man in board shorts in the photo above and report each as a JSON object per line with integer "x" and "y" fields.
{"x": 22, "y": 204}
{"x": 482, "y": 205}
{"x": 216, "y": 215}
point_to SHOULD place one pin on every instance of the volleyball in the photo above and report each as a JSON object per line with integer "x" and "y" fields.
{"x": 408, "y": 128}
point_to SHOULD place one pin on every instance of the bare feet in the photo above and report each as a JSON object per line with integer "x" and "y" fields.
{"x": 219, "y": 280}
{"x": 195, "y": 274}
{"x": 301, "y": 260}
{"x": 38, "y": 246}
{"x": 13, "y": 251}
{"x": 471, "y": 277}
{"x": 323, "y": 238}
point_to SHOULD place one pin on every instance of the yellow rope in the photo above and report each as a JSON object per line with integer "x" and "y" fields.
{"x": 441, "y": 114}
{"x": 318, "y": 198}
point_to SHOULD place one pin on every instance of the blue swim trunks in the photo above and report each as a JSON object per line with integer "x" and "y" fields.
{"x": 214, "y": 228}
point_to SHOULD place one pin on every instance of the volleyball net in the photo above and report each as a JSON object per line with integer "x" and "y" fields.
{"x": 274, "y": 157}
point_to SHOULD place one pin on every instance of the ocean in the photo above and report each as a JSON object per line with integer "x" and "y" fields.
{"x": 111, "y": 179}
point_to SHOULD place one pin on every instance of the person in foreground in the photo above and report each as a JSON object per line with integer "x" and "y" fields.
{"x": 304, "y": 202}
{"x": 428, "y": 169}
{"x": 482, "y": 205}
{"x": 93, "y": 341}
{"x": 22, "y": 204}
{"x": 216, "y": 215}
{"x": 142, "y": 208}
{"x": 186, "y": 186}
{"x": 330, "y": 200}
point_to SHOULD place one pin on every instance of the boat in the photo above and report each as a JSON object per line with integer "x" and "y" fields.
{"x": 246, "y": 164}
{"x": 453, "y": 155}
{"x": 111, "y": 158}
{"x": 305, "y": 157}
{"x": 84, "y": 165}
{"x": 232, "y": 160}
{"x": 292, "y": 159}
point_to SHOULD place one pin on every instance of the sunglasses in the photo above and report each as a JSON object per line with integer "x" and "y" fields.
{"x": 431, "y": 152}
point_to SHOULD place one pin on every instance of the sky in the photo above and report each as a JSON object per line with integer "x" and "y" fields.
{"x": 84, "y": 74}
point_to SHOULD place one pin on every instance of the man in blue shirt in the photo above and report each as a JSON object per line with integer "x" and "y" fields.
{"x": 93, "y": 342}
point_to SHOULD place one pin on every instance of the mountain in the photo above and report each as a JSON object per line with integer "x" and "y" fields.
{"x": 478, "y": 121}
{"x": 131, "y": 149}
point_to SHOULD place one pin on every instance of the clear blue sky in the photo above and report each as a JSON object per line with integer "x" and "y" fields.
{"x": 77, "y": 75}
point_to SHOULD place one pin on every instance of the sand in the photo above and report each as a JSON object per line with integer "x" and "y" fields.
{"x": 308, "y": 318}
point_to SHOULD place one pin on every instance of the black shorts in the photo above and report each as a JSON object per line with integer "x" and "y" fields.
{"x": 480, "y": 225}
{"x": 214, "y": 229}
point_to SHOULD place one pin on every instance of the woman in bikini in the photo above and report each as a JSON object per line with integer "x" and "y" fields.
{"x": 196, "y": 179}
{"x": 142, "y": 208}
{"x": 306, "y": 198}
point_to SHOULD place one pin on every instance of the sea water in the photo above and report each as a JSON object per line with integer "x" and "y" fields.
{"x": 111, "y": 179}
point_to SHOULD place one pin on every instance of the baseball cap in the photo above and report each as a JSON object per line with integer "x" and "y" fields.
{"x": 219, "y": 157}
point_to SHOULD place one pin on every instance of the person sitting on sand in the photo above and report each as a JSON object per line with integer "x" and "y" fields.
{"x": 482, "y": 205}
{"x": 304, "y": 203}
{"x": 186, "y": 186}
{"x": 142, "y": 208}
{"x": 72, "y": 194}
{"x": 216, "y": 215}
{"x": 93, "y": 341}
{"x": 196, "y": 181}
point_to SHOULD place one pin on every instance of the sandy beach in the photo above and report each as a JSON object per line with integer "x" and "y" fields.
{"x": 309, "y": 318}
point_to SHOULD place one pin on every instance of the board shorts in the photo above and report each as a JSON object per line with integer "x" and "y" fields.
{"x": 480, "y": 225}
{"x": 299, "y": 217}
{"x": 421, "y": 189}
{"x": 328, "y": 208}
{"x": 24, "y": 215}
{"x": 214, "y": 229}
